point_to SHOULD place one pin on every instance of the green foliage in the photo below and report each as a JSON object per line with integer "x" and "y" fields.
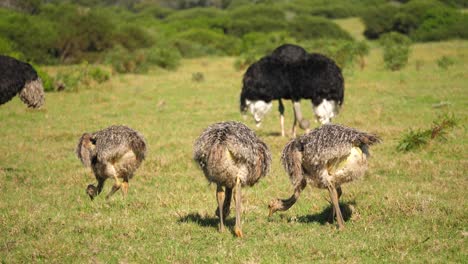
{"x": 379, "y": 20}
{"x": 396, "y": 49}
{"x": 343, "y": 52}
{"x": 139, "y": 61}
{"x": 422, "y": 20}
{"x": 198, "y": 42}
{"x": 416, "y": 139}
{"x": 258, "y": 44}
{"x": 76, "y": 77}
{"x": 306, "y": 27}
{"x": 32, "y": 36}
{"x": 445, "y": 62}
{"x": 257, "y": 18}
{"x": 47, "y": 80}
{"x": 132, "y": 37}
{"x": 442, "y": 23}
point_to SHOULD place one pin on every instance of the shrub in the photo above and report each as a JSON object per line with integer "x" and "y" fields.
{"x": 445, "y": 62}
{"x": 31, "y": 36}
{"x": 257, "y": 44}
{"x": 396, "y": 48}
{"x": 208, "y": 42}
{"x": 441, "y": 24}
{"x": 306, "y": 27}
{"x": 343, "y": 52}
{"x": 139, "y": 61}
{"x": 255, "y": 18}
{"x": 47, "y": 80}
{"x": 84, "y": 75}
{"x": 378, "y": 20}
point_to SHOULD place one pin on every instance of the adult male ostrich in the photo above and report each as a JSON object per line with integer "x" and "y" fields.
{"x": 114, "y": 152}
{"x": 20, "y": 77}
{"x": 232, "y": 156}
{"x": 291, "y": 73}
{"x": 326, "y": 157}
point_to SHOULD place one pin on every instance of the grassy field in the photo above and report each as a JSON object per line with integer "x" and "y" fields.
{"x": 410, "y": 207}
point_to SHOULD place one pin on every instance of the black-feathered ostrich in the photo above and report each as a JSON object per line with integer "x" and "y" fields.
{"x": 115, "y": 152}
{"x": 291, "y": 73}
{"x": 20, "y": 77}
{"x": 326, "y": 157}
{"x": 232, "y": 156}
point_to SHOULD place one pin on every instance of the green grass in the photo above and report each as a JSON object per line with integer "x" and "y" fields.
{"x": 410, "y": 207}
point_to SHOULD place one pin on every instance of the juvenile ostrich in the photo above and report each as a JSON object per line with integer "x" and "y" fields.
{"x": 291, "y": 73}
{"x": 232, "y": 156}
{"x": 20, "y": 77}
{"x": 326, "y": 157}
{"x": 115, "y": 152}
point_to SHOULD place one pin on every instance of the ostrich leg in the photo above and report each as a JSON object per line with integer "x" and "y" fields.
{"x": 220, "y": 199}
{"x": 237, "y": 198}
{"x": 125, "y": 187}
{"x": 336, "y": 206}
{"x": 227, "y": 203}
{"x": 339, "y": 192}
{"x": 281, "y": 110}
{"x": 110, "y": 170}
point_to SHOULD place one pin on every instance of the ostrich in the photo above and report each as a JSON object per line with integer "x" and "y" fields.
{"x": 291, "y": 73}
{"x": 232, "y": 156}
{"x": 326, "y": 157}
{"x": 115, "y": 152}
{"x": 20, "y": 77}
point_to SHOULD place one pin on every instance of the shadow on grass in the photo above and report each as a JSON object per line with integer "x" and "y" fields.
{"x": 205, "y": 221}
{"x": 325, "y": 216}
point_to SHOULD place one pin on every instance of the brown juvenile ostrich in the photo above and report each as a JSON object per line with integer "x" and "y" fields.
{"x": 326, "y": 157}
{"x": 115, "y": 152}
{"x": 17, "y": 77}
{"x": 231, "y": 155}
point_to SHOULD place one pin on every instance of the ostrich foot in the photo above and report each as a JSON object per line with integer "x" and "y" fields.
{"x": 238, "y": 232}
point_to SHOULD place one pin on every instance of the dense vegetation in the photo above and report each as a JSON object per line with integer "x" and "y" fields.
{"x": 131, "y": 35}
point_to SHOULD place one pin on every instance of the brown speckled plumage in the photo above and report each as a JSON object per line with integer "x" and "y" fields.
{"x": 326, "y": 157}
{"x": 115, "y": 152}
{"x": 231, "y": 155}
{"x": 17, "y": 77}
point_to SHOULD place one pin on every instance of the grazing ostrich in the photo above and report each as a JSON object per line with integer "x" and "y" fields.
{"x": 231, "y": 155}
{"x": 326, "y": 157}
{"x": 115, "y": 152}
{"x": 20, "y": 77}
{"x": 291, "y": 73}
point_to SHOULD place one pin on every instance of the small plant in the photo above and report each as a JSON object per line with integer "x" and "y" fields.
{"x": 80, "y": 76}
{"x": 415, "y": 139}
{"x": 396, "y": 50}
{"x": 198, "y": 77}
{"x": 445, "y": 62}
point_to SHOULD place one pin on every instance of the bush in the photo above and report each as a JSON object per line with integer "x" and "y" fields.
{"x": 84, "y": 75}
{"x": 139, "y": 61}
{"x": 343, "y": 52}
{"x": 207, "y": 42}
{"x": 255, "y": 18}
{"x": 379, "y": 20}
{"x": 31, "y": 36}
{"x": 257, "y": 44}
{"x": 445, "y": 62}
{"x": 306, "y": 27}
{"x": 396, "y": 48}
{"x": 441, "y": 24}
{"x": 47, "y": 80}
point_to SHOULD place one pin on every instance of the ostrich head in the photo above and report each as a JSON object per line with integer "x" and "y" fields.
{"x": 86, "y": 149}
{"x": 92, "y": 191}
{"x": 258, "y": 109}
{"x": 325, "y": 111}
{"x": 275, "y": 205}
